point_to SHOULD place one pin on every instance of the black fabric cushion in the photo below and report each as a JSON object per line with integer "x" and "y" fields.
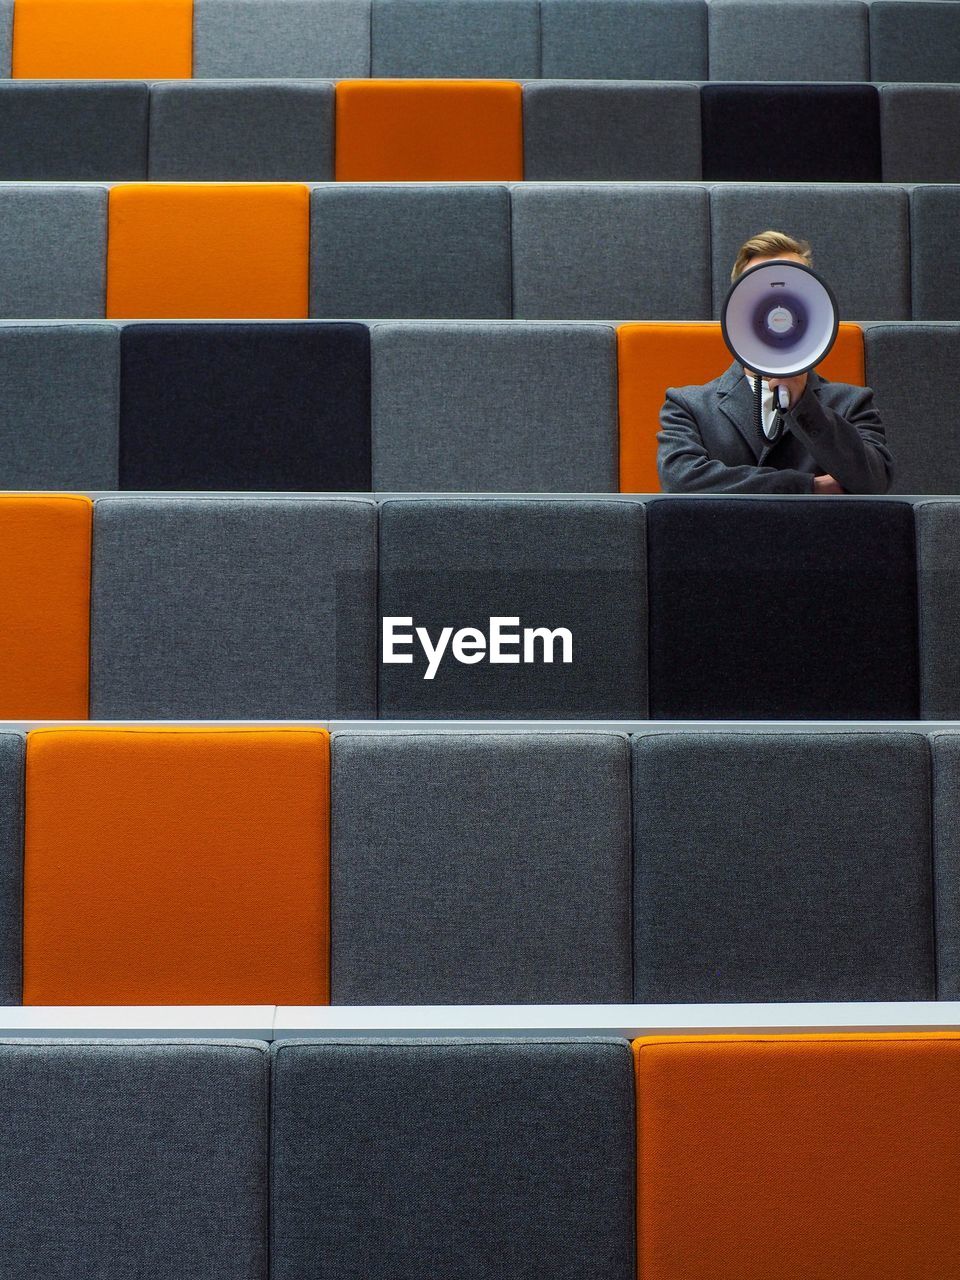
{"x": 790, "y": 132}
{"x": 245, "y": 406}
{"x": 52, "y": 132}
{"x": 782, "y": 609}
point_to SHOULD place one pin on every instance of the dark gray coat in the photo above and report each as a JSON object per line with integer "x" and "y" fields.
{"x": 708, "y": 442}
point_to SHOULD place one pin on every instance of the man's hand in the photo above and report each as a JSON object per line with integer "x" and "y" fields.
{"x": 826, "y": 484}
{"x": 796, "y": 387}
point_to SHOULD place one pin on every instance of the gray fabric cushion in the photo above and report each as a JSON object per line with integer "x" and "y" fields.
{"x": 217, "y": 131}
{"x": 910, "y": 40}
{"x": 285, "y": 39}
{"x": 578, "y": 565}
{"x": 134, "y": 1158}
{"x": 596, "y": 131}
{"x": 438, "y": 251}
{"x": 6, "y": 35}
{"x": 860, "y": 237}
{"x": 781, "y": 866}
{"x": 920, "y": 125}
{"x": 481, "y": 39}
{"x": 59, "y": 391}
{"x": 812, "y": 40}
{"x": 53, "y": 251}
{"x": 934, "y": 215}
{"x": 946, "y": 845}
{"x": 480, "y": 869}
{"x": 912, "y": 369}
{"x": 237, "y": 608}
{"x": 512, "y": 1159}
{"x": 11, "y": 867}
{"x": 494, "y": 407}
{"x": 624, "y": 39}
{"x": 938, "y": 531}
{"x": 69, "y": 132}
{"x": 611, "y": 252}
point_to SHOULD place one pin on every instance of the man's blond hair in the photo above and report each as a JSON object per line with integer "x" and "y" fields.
{"x": 769, "y": 244}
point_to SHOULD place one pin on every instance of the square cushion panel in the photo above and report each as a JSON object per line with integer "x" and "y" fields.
{"x": 791, "y": 133}
{"x": 481, "y": 869}
{"x": 133, "y": 1159}
{"x": 742, "y": 893}
{"x": 817, "y": 40}
{"x": 214, "y": 131}
{"x": 176, "y": 866}
{"x": 428, "y": 130}
{"x": 6, "y": 35}
{"x": 494, "y": 407}
{"x": 102, "y": 40}
{"x": 220, "y": 251}
{"x": 781, "y": 610}
{"x": 60, "y": 387}
{"x": 935, "y": 252}
{"x": 487, "y": 1159}
{"x": 11, "y": 867}
{"x": 576, "y": 566}
{"x": 452, "y": 38}
{"x": 53, "y": 248}
{"x": 919, "y": 127}
{"x": 624, "y": 39}
{"x": 652, "y": 357}
{"x": 44, "y": 607}
{"x": 213, "y": 608}
{"x": 72, "y": 132}
{"x": 946, "y": 844}
{"x": 235, "y": 406}
{"x": 938, "y": 531}
{"x": 798, "y": 1156}
{"x": 281, "y": 39}
{"x": 915, "y": 41}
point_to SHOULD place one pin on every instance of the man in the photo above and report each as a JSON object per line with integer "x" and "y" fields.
{"x": 830, "y": 440}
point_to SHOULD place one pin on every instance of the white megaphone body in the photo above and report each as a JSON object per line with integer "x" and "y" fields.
{"x": 779, "y": 319}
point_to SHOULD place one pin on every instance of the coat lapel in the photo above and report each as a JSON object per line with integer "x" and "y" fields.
{"x": 735, "y": 398}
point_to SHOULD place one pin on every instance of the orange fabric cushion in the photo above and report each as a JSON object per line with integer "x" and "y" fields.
{"x": 103, "y": 39}
{"x": 217, "y": 250}
{"x": 428, "y": 130}
{"x": 44, "y": 607}
{"x": 177, "y": 866}
{"x": 652, "y": 357}
{"x": 799, "y": 1157}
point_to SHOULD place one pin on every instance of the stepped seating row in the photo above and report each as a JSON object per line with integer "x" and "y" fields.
{"x": 567, "y": 251}
{"x": 220, "y": 1160}
{"x": 202, "y": 865}
{"x": 680, "y": 608}
{"x": 628, "y": 40}
{"x": 543, "y": 130}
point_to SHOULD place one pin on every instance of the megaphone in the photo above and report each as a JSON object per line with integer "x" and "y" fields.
{"x": 779, "y": 319}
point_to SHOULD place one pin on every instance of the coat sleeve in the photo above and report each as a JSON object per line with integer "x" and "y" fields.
{"x": 851, "y": 447}
{"x": 685, "y": 466}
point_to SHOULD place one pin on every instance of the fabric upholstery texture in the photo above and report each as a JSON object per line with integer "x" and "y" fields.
{"x": 508, "y": 1159}
{"x": 451, "y": 38}
{"x": 938, "y": 535}
{"x": 915, "y": 41}
{"x": 214, "y": 131}
{"x": 221, "y": 251}
{"x": 59, "y": 387}
{"x": 791, "y": 132}
{"x": 946, "y": 845}
{"x": 819, "y": 1156}
{"x": 578, "y": 565}
{"x": 254, "y": 608}
{"x": 781, "y": 609}
{"x": 6, "y": 36}
{"x": 102, "y": 40}
{"x": 53, "y": 244}
{"x": 481, "y": 869}
{"x": 598, "y": 252}
{"x": 441, "y": 252}
{"x": 72, "y": 132}
{"x": 233, "y": 406}
{"x": 860, "y": 235}
{"x": 817, "y": 40}
{"x": 652, "y": 357}
{"x": 608, "y": 131}
{"x": 429, "y": 130}
{"x": 935, "y": 253}
{"x": 44, "y": 607}
{"x": 272, "y": 39}
{"x": 11, "y": 867}
{"x": 782, "y": 867}
{"x": 624, "y": 39}
{"x": 494, "y": 407}
{"x": 919, "y": 127}
{"x": 134, "y": 1158}
{"x": 176, "y": 866}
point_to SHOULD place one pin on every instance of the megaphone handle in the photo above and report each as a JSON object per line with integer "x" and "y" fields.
{"x": 783, "y": 397}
